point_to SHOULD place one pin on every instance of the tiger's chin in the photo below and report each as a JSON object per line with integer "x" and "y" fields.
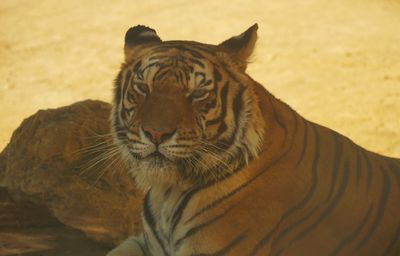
{"x": 156, "y": 170}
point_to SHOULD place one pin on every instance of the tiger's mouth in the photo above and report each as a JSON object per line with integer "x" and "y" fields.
{"x": 158, "y": 160}
{"x": 157, "y": 157}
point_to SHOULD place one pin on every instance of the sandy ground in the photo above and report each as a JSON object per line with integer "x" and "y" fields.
{"x": 335, "y": 62}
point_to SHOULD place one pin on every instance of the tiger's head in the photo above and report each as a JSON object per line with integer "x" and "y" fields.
{"x": 184, "y": 112}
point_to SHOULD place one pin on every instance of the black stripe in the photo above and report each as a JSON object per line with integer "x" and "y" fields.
{"x": 216, "y": 80}
{"x": 141, "y": 248}
{"x": 224, "y": 144}
{"x": 297, "y": 223}
{"x": 197, "y": 62}
{"x": 187, "y": 76}
{"x": 295, "y": 126}
{"x": 161, "y": 73}
{"x": 336, "y": 161}
{"x": 180, "y": 59}
{"x": 224, "y": 99}
{"x": 369, "y": 169}
{"x": 221, "y": 129}
{"x": 348, "y": 239}
{"x": 119, "y": 130}
{"x": 326, "y": 212}
{"x": 196, "y": 54}
{"x": 305, "y": 142}
{"x": 217, "y": 76}
{"x": 279, "y": 122}
{"x": 197, "y": 228}
{"x": 137, "y": 66}
{"x": 204, "y": 48}
{"x": 381, "y": 209}
{"x": 358, "y": 166}
{"x": 183, "y": 78}
{"x": 307, "y": 198}
{"x": 118, "y": 125}
{"x": 209, "y": 105}
{"x": 331, "y": 206}
{"x": 265, "y": 239}
{"x": 178, "y": 77}
{"x": 126, "y": 83}
{"x": 149, "y": 218}
{"x": 238, "y": 103}
{"x": 393, "y": 243}
{"x": 208, "y": 82}
{"x": 227, "y": 248}
{"x": 181, "y": 207}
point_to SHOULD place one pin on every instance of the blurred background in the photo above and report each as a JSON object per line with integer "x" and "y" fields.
{"x": 336, "y": 62}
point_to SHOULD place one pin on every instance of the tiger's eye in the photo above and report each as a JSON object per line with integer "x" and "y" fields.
{"x": 199, "y": 95}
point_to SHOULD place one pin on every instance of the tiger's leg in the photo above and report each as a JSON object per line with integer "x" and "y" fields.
{"x": 133, "y": 246}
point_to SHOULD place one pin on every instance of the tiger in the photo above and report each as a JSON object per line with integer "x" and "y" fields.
{"x": 229, "y": 169}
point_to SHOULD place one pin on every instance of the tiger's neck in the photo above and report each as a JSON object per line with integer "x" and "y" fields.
{"x": 280, "y": 124}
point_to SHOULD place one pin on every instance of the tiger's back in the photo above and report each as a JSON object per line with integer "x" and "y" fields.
{"x": 231, "y": 170}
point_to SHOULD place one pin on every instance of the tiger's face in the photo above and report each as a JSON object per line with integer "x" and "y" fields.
{"x": 182, "y": 111}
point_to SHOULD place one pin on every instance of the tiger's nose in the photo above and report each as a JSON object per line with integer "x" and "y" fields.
{"x": 157, "y": 136}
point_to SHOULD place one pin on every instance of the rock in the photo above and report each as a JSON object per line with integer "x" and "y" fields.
{"x": 27, "y": 229}
{"x": 64, "y": 161}
{"x": 56, "y": 240}
{"x": 22, "y": 214}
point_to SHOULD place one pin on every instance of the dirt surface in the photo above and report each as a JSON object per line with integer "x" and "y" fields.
{"x": 335, "y": 62}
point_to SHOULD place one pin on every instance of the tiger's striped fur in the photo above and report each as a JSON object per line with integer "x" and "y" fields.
{"x": 231, "y": 170}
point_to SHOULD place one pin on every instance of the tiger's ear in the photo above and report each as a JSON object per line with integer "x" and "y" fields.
{"x": 138, "y": 36}
{"x": 241, "y": 47}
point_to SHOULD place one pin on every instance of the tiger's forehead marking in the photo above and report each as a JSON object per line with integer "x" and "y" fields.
{"x": 176, "y": 68}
